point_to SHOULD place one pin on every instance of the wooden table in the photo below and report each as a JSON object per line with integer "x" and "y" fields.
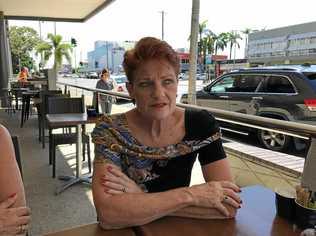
{"x": 257, "y": 217}
{"x": 65, "y": 120}
{"x": 93, "y": 230}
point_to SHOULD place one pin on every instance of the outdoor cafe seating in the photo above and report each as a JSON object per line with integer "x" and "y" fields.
{"x": 64, "y": 105}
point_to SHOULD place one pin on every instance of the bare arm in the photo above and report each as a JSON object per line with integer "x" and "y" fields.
{"x": 14, "y": 215}
{"x": 216, "y": 171}
{"x": 120, "y": 202}
{"x": 122, "y": 210}
{"x": 10, "y": 177}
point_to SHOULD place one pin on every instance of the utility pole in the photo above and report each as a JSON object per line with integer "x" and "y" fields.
{"x": 193, "y": 51}
{"x": 54, "y": 27}
{"x": 162, "y": 24}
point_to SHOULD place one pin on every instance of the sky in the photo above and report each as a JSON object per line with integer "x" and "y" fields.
{"x": 133, "y": 19}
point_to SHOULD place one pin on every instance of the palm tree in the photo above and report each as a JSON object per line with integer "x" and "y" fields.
{"x": 246, "y": 32}
{"x": 56, "y": 47}
{"x": 220, "y": 42}
{"x": 232, "y": 38}
{"x": 202, "y": 28}
{"x": 208, "y": 43}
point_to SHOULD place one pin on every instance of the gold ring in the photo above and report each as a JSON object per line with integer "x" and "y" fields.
{"x": 23, "y": 228}
{"x": 225, "y": 198}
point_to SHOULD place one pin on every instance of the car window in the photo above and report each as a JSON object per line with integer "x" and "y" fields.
{"x": 247, "y": 83}
{"x": 120, "y": 80}
{"x": 237, "y": 83}
{"x": 278, "y": 84}
{"x": 223, "y": 85}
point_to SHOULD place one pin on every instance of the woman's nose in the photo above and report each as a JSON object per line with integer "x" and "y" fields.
{"x": 158, "y": 91}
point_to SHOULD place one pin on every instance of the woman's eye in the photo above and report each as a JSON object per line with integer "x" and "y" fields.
{"x": 144, "y": 84}
{"x": 168, "y": 81}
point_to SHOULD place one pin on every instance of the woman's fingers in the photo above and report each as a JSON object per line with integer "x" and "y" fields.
{"x": 232, "y": 194}
{"x": 230, "y": 185}
{"x": 232, "y": 202}
{"x": 114, "y": 192}
{"x": 24, "y": 220}
{"x": 22, "y": 211}
{"x": 9, "y": 202}
{"x": 113, "y": 186}
{"x": 222, "y": 209}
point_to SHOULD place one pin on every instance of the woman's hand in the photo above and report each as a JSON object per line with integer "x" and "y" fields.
{"x": 116, "y": 182}
{"x": 221, "y": 195}
{"x": 13, "y": 220}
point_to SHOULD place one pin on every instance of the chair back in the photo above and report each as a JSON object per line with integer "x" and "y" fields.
{"x": 44, "y": 95}
{"x": 16, "y": 146}
{"x": 60, "y": 105}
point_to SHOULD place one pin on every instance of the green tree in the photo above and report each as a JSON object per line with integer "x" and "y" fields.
{"x": 208, "y": 44}
{"x": 220, "y": 42}
{"x": 202, "y": 28}
{"x": 23, "y": 40}
{"x": 55, "y": 47}
{"x": 232, "y": 38}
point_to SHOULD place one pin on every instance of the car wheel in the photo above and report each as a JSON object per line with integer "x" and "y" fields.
{"x": 274, "y": 141}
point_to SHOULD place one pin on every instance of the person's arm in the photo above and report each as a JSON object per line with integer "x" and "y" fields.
{"x": 215, "y": 171}
{"x": 121, "y": 203}
{"x": 10, "y": 177}
{"x": 14, "y": 215}
{"x": 131, "y": 208}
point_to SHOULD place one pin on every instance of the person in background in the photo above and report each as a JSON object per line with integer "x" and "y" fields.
{"x": 23, "y": 75}
{"x": 104, "y": 100}
{"x": 14, "y": 215}
{"x": 144, "y": 157}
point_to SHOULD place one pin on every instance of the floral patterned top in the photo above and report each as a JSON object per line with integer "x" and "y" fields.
{"x": 149, "y": 167}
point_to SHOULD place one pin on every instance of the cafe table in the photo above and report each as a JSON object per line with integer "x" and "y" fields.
{"x": 65, "y": 120}
{"x": 257, "y": 217}
{"x": 93, "y": 229}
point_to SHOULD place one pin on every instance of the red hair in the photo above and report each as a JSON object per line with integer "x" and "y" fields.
{"x": 146, "y": 49}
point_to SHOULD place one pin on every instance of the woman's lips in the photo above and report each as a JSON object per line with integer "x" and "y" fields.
{"x": 159, "y": 105}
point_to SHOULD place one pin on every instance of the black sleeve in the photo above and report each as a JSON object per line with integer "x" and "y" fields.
{"x": 201, "y": 125}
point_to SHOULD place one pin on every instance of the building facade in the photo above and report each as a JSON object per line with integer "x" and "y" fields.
{"x": 106, "y": 55}
{"x": 287, "y": 45}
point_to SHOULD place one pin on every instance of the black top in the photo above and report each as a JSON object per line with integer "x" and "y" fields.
{"x": 176, "y": 172}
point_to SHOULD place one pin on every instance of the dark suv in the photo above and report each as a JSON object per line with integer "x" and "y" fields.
{"x": 280, "y": 92}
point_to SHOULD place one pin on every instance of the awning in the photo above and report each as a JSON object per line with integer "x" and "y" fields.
{"x": 52, "y": 10}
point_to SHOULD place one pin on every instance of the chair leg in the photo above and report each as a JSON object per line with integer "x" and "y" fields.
{"x": 54, "y": 161}
{"x": 51, "y": 144}
{"x": 39, "y": 118}
{"x": 84, "y": 152}
{"x": 89, "y": 156}
{"x": 43, "y": 133}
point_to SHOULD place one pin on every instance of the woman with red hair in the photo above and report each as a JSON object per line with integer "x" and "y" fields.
{"x": 144, "y": 157}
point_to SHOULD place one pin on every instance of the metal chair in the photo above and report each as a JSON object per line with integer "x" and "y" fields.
{"x": 42, "y": 111}
{"x": 62, "y": 105}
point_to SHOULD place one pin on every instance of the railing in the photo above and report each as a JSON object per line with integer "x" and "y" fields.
{"x": 290, "y": 128}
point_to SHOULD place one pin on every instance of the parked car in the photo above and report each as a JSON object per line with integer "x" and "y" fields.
{"x": 92, "y": 75}
{"x": 280, "y": 92}
{"x": 119, "y": 84}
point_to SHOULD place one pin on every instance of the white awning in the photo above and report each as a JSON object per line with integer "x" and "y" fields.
{"x": 52, "y": 10}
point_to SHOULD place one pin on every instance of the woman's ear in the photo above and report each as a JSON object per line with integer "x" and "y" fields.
{"x": 130, "y": 89}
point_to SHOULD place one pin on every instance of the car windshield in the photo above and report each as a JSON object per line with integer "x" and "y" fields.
{"x": 121, "y": 80}
{"x": 310, "y": 76}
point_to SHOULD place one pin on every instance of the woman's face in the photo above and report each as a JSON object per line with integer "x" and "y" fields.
{"x": 154, "y": 89}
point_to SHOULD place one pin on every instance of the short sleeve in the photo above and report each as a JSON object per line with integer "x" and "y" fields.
{"x": 200, "y": 125}
{"x": 102, "y": 153}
